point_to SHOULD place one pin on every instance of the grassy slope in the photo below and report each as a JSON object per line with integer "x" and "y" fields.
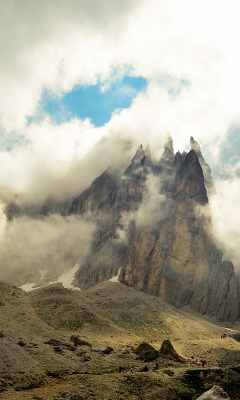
{"x": 110, "y": 314}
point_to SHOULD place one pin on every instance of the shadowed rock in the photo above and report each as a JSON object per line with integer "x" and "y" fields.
{"x": 167, "y": 351}
{"x": 236, "y": 336}
{"x": 79, "y": 342}
{"x": 53, "y": 342}
{"x": 102, "y": 349}
{"x": 146, "y": 352}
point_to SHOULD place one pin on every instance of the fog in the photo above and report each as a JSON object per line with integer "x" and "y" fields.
{"x": 40, "y": 250}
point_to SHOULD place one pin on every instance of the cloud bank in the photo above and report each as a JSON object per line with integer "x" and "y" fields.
{"x": 188, "y": 53}
{"x": 39, "y": 251}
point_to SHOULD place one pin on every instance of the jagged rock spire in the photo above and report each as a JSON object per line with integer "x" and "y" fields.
{"x": 139, "y": 156}
{"x": 195, "y": 146}
{"x": 205, "y": 167}
{"x": 168, "y": 153}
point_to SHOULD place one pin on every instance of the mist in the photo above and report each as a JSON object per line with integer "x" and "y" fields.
{"x": 40, "y": 250}
{"x": 226, "y": 219}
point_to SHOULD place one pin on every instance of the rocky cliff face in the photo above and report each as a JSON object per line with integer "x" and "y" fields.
{"x": 154, "y": 223}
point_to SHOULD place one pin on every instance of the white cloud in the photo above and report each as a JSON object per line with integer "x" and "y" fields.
{"x": 56, "y": 45}
{"x": 226, "y": 219}
{"x": 53, "y": 244}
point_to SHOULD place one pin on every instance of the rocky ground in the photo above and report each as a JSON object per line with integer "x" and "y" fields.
{"x": 60, "y": 344}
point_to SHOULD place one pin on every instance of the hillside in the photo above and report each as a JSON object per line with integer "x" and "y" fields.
{"x": 111, "y": 315}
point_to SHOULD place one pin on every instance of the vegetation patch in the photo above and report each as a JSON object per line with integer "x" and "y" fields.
{"x": 137, "y": 385}
{"x": 63, "y": 312}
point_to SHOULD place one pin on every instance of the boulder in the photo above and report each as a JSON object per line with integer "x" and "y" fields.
{"x": 215, "y": 393}
{"x": 236, "y": 336}
{"x": 79, "y": 342}
{"x": 21, "y": 343}
{"x": 146, "y": 351}
{"x": 102, "y": 349}
{"x": 167, "y": 351}
{"x": 53, "y": 342}
{"x": 143, "y": 369}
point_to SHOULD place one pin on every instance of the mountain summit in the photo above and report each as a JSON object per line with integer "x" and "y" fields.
{"x": 154, "y": 226}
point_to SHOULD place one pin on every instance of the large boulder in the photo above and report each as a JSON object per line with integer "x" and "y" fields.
{"x": 146, "y": 352}
{"x": 102, "y": 349}
{"x": 79, "y": 342}
{"x": 167, "y": 351}
{"x": 215, "y": 393}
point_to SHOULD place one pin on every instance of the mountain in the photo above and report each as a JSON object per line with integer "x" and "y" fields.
{"x": 153, "y": 230}
{"x": 154, "y": 225}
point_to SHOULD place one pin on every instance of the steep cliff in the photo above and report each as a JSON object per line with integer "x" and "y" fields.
{"x": 154, "y": 223}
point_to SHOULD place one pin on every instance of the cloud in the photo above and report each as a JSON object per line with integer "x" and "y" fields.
{"x": 55, "y": 46}
{"x": 226, "y": 219}
{"x": 52, "y": 244}
{"x": 187, "y": 51}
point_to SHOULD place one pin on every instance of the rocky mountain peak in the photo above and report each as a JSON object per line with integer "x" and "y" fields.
{"x": 210, "y": 187}
{"x": 190, "y": 180}
{"x": 195, "y": 145}
{"x": 168, "y": 156}
{"x": 153, "y": 224}
{"x": 139, "y": 157}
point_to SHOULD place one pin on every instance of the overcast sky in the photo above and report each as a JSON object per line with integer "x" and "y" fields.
{"x": 80, "y": 80}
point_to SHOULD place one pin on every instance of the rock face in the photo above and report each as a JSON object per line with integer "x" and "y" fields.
{"x": 155, "y": 224}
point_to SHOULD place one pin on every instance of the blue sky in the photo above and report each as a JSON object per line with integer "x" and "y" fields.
{"x": 96, "y": 102}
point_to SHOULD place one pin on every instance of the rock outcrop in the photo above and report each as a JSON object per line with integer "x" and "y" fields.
{"x": 154, "y": 224}
{"x": 146, "y": 352}
{"x": 215, "y": 393}
{"x": 167, "y": 351}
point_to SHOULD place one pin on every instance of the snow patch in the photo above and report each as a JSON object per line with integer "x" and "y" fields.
{"x": 65, "y": 279}
{"x": 231, "y": 330}
{"x": 28, "y": 287}
{"x": 116, "y": 278}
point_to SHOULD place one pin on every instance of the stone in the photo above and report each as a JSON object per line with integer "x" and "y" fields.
{"x": 143, "y": 369}
{"x": 215, "y": 393}
{"x": 21, "y": 343}
{"x": 146, "y": 352}
{"x": 53, "y": 342}
{"x": 236, "y": 336}
{"x": 167, "y": 351}
{"x": 79, "y": 342}
{"x": 102, "y": 349}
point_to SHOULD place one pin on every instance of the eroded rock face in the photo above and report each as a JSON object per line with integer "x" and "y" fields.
{"x": 155, "y": 224}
